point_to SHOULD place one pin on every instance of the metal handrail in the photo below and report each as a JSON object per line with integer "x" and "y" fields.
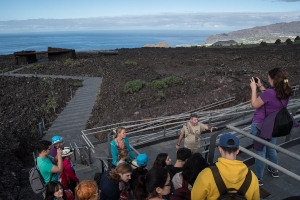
{"x": 280, "y": 149}
{"x": 281, "y": 169}
{"x": 159, "y": 124}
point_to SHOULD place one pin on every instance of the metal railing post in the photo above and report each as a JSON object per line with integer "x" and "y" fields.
{"x": 109, "y": 151}
{"x": 164, "y": 128}
{"x": 212, "y": 146}
{"x": 44, "y": 121}
{"x": 89, "y": 154}
{"x": 41, "y": 129}
{"x": 71, "y": 92}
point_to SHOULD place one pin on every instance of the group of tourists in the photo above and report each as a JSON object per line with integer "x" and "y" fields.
{"x": 190, "y": 177}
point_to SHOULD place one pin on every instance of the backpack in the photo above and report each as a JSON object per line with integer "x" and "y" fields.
{"x": 283, "y": 123}
{"x": 182, "y": 193}
{"x": 36, "y": 180}
{"x": 225, "y": 193}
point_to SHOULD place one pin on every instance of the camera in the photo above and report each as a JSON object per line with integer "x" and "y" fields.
{"x": 62, "y": 148}
{"x": 255, "y": 79}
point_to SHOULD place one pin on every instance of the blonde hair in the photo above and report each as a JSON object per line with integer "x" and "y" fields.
{"x": 86, "y": 190}
{"x": 123, "y": 154}
{"x": 119, "y": 129}
{"x": 122, "y": 168}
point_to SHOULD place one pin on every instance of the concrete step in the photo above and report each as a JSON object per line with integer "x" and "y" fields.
{"x": 69, "y": 121}
{"x": 69, "y": 127}
{"x": 85, "y": 94}
{"x": 85, "y": 102}
{"x": 74, "y": 112}
{"x": 86, "y": 173}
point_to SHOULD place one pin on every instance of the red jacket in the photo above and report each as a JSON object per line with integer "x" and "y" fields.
{"x": 68, "y": 170}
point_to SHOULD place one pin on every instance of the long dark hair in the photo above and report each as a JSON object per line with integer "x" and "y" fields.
{"x": 147, "y": 184}
{"x": 51, "y": 188}
{"x": 193, "y": 166}
{"x": 160, "y": 160}
{"x": 280, "y": 83}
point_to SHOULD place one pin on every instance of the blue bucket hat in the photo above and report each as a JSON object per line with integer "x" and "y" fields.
{"x": 226, "y": 137}
{"x": 142, "y": 160}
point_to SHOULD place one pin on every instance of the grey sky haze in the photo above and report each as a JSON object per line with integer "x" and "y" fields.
{"x": 67, "y": 15}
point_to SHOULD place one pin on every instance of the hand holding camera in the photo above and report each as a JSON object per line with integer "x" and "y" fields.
{"x": 255, "y": 81}
{"x": 59, "y": 151}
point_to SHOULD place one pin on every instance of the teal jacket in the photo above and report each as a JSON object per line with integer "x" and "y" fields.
{"x": 115, "y": 152}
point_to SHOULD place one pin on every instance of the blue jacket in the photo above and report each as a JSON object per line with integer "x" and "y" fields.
{"x": 115, "y": 152}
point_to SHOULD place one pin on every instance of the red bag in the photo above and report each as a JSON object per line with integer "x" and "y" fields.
{"x": 64, "y": 179}
{"x": 69, "y": 194}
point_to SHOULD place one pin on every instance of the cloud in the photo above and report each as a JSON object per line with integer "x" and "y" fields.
{"x": 289, "y": 0}
{"x": 192, "y": 21}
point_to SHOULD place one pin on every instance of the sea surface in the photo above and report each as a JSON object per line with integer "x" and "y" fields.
{"x": 99, "y": 40}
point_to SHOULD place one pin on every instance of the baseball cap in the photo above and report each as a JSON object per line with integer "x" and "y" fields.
{"x": 223, "y": 142}
{"x": 66, "y": 152}
{"x": 57, "y": 139}
{"x": 142, "y": 160}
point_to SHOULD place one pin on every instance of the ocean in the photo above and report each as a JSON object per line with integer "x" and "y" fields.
{"x": 99, "y": 40}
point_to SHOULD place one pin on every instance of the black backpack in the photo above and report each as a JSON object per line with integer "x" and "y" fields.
{"x": 229, "y": 193}
{"x": 283, "y": 123}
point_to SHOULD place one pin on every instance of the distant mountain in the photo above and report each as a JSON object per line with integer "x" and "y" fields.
{"x": 260, "y": 33}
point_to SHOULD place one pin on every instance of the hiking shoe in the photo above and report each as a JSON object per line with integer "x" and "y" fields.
{"x": 260, "y": 182}
{"x": 275, "y": 174}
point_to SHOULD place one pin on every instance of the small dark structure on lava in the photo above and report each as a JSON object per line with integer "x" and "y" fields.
{"x": 25, "y": 57}
{"x": 60, "y": 54}
{"x": 54, "y": 54}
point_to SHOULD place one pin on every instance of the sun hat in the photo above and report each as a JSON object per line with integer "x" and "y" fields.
{"x": 142, "y": 160}
{"x": 223, "y": 142}
{"x": 57, "y": 139}
{"x": 66, "y": 152}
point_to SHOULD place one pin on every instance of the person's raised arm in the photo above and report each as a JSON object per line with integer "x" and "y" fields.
{"x": 59, "y": 167}
{"x": 255, "y": 102}
{"x": 260, "y": 85}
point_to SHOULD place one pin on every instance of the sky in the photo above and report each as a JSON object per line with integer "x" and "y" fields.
{"x": 53, "y": 15}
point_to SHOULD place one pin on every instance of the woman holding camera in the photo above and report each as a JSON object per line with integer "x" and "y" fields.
{"x": 119, "y": 143}
{"x": 271, "y": 100}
